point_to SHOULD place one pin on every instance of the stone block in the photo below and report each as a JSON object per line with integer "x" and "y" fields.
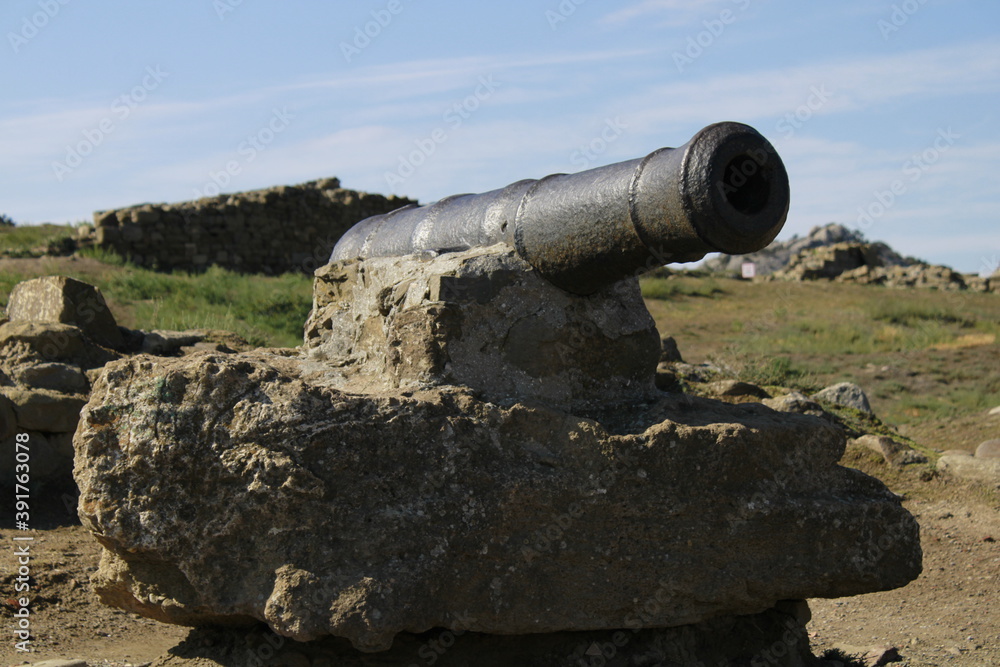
{"x": 45, "y": 410}
{"x": 67, "y": 301}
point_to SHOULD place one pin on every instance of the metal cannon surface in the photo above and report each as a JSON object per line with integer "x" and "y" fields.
{"x": 725, "y": 190}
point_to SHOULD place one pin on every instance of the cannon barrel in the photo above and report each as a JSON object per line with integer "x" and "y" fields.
{"x": 725, "y": 190}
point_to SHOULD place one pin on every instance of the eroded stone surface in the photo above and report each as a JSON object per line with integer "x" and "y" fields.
{"x": 227, "y": 488}
{"x": 962, "y": 464}
{"x": 67, "y": 301}
{"x": 462, "y": 445}
{"x": 485, "y": 320}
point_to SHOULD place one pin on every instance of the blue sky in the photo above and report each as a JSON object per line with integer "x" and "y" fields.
{"x": 885, "y": 113}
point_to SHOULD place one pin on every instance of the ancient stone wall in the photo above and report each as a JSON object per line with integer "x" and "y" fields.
{"x": 277, "y": 230}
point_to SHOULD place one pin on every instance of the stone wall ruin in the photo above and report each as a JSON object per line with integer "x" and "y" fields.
{"x": 289, "y": 228}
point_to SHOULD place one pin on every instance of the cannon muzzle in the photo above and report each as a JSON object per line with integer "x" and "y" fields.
{"x": 725, "y": 190}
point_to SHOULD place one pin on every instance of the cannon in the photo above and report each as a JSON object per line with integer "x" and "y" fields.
{"x": 725, "y": 190}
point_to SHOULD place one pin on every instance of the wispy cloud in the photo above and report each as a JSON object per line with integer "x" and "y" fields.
{"x": 860, "y": 83}
{"x": 670, "y": 12}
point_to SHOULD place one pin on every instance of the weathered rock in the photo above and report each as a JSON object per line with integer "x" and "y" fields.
{"x": 45, "y": 410}
{"x": 410, "y": 511}
{"x": 845, "y": 394}
{"x": 66, "y": 378}
{"x": 8, "y": 419}
{"x": 966, "y": 466}
{"x": 779, "y": 254}
{"x": 67, "y": 301}
{"x": 31, "y": 343}
{"x": 995, "y": 411}
{"x": 485, "y": 320}
{"x": 276, "y": 230}
{"x": 669, "y": 351}
{"x": 463, "y": 445}
{"x": 828, "y": 261}
{"x": 735, "y": 388}
{"x": 167, "y": 343}
{"x": 894, "y": 453}
{"x": 164, "y": 343}
{"x": 795, "y": 402}
{"x": 990, "y": 449}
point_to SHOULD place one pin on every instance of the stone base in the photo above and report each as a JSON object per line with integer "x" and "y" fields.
{"x": 228, "y": 488}
{"x": 775, "y": 638}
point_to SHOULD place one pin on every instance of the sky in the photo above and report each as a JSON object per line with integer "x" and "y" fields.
{"x": 886, "y": 114}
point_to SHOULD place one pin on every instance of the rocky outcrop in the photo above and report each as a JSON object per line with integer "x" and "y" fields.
{"x": 919, "y": 275}
{"x": 865, "y": 264}
{"x": 277, "y": 230}
{"x": 464, "y": 446}
{"x": 779, "y": 254}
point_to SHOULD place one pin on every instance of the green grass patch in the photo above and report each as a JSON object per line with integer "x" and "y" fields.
{"x": 772, "y": 371}
{"x": 677, "y": 286}
{"x": 32, "y": 240}
{"x": 102, "y": 255}
{"x": 265, "y": 310}
{"x": 914, "y": 313}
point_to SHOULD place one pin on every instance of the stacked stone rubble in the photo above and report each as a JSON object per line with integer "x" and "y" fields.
{"x": 59, "y": 335}
{"x": 54, "y": 342}
{"x": 865, "y": 264}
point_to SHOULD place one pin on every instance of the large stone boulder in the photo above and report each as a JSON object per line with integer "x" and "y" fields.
{"x": 424, "y": 464}
{"x": 67, "y": 301}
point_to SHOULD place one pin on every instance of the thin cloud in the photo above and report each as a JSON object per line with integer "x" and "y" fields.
{"x": 677, "y": 12}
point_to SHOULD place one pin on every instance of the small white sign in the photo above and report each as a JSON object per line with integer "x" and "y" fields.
{"x": 749, "y": 270}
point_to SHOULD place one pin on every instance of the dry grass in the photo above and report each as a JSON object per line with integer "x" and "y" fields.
{"x": 928, "y": 360}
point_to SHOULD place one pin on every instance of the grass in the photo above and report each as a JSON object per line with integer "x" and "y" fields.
{"x": 914, "y": 314}
{"x": 30, "y": 240}
{"x": 678, "y": 286}
{"x": 267, "y": 311}
{"x": 927, "y": 359}
{"x": 773, "y": 371}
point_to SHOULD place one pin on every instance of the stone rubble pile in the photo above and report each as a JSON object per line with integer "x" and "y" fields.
{"x": 863, "y": 264}
{"x": 779, "y": 254}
